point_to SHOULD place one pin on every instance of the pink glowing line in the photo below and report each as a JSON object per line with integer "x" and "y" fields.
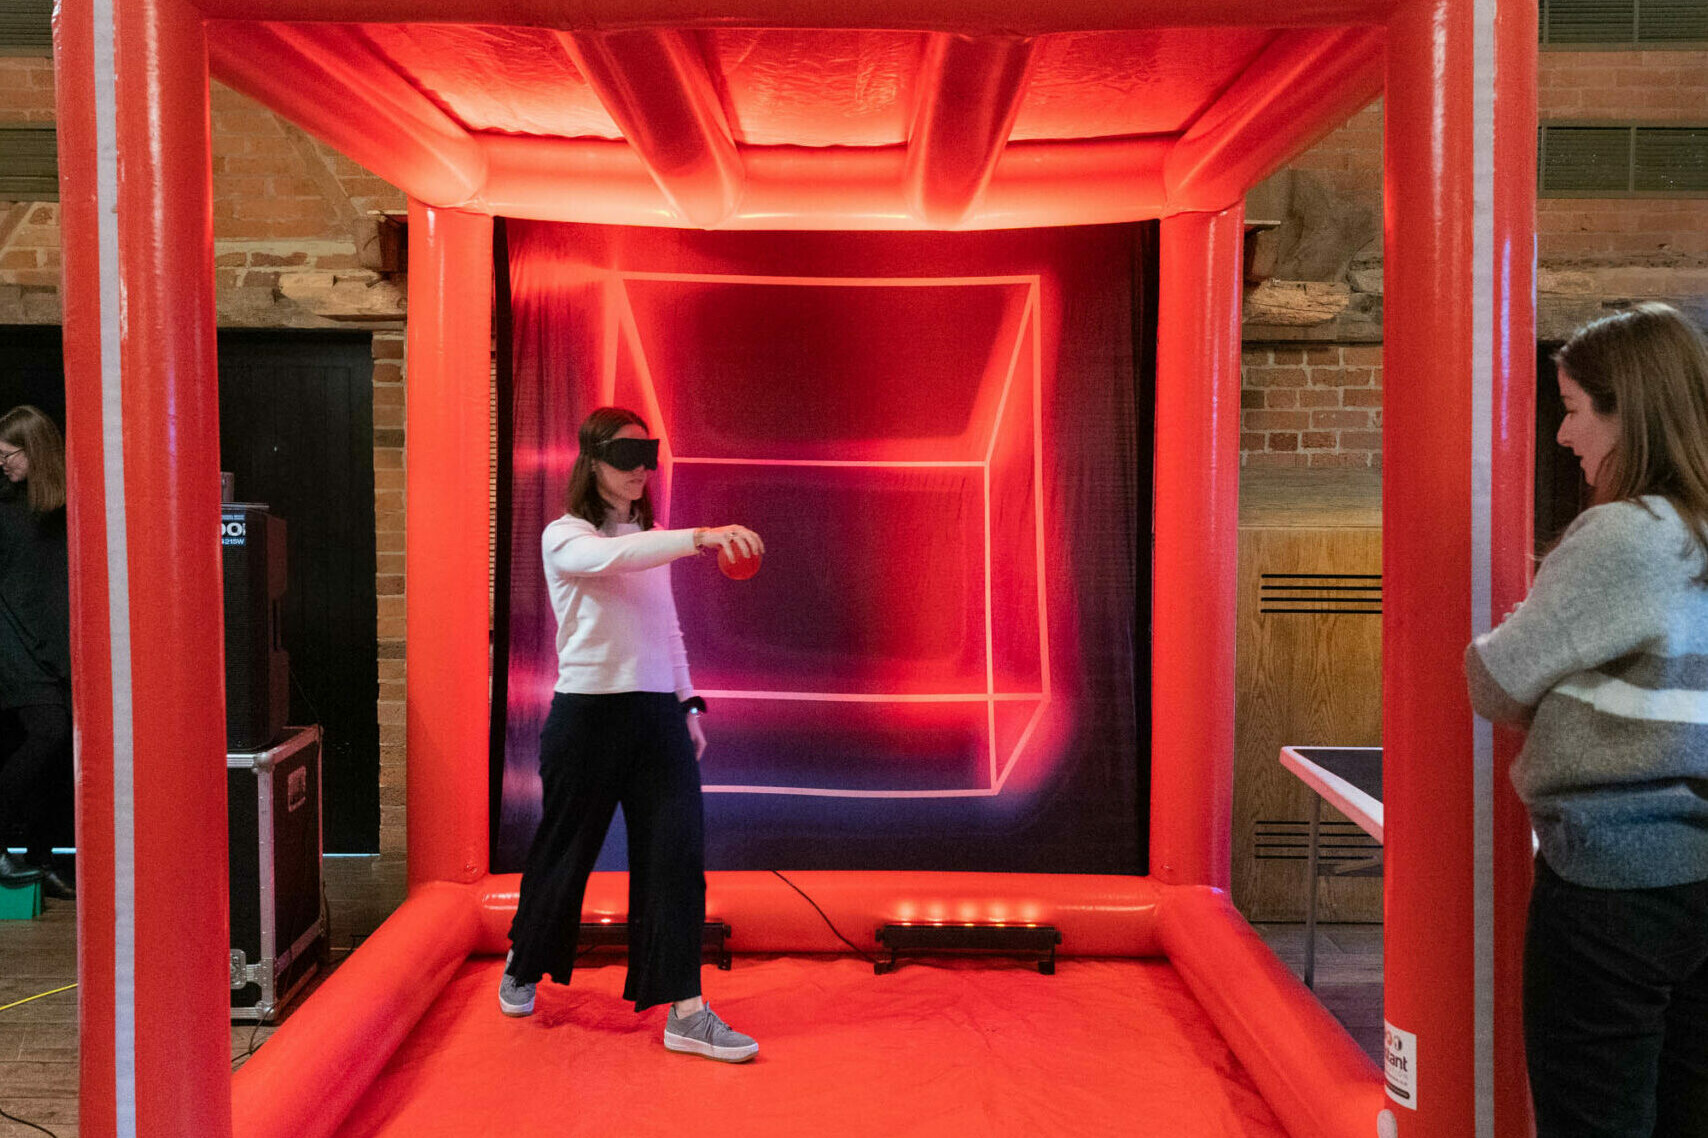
{"x": 1034, "y": 311}
{"x": 1008, "y": 382}
{"x": 654, "y": 411}
{"x": 829, "y": 282}
{"x": 989, "y": 618}
{"x": 608, "y": 348}
{"x": 871, "y": 463}
{"x": 876, "y": 697}
{"x": 989, "y": 603}
{"x": 1019, "y": 745}
{"x": 814, "y": 792}
{"x": 620, "y": 313}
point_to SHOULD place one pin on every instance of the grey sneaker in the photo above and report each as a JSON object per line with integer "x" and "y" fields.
{"x": 514, "y": 999}
{"x": 703, "y": 1033}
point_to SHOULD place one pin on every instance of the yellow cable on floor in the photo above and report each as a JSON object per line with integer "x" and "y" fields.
{"x": 37, "y": 996}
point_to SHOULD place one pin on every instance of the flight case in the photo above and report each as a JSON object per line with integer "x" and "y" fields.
{"x": 278, "y": 931}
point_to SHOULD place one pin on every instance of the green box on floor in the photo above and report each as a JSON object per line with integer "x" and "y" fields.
{"x": 21, "y": 904}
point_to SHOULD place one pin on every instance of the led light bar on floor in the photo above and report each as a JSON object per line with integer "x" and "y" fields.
{"x": 1037, "y": 941}
{"x": 596, "y": 935}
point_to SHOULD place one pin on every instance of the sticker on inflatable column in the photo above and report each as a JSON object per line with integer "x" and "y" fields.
{"x": 1399, "y": 1051}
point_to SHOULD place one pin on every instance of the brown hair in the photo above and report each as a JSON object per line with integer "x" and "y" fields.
{"x": 32, "y": 432}
{"x": 1649, "y": 366}
{"x": 583, "y": 498}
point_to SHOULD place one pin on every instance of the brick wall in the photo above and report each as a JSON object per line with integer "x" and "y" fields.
{"x": 29, "y": 231}
{"x": 1662, "y": 86}
{"x": 26, "y": 90}
{"x": 1349, "y": 159}
{"x": 288, "y": 213}
{"x": 1649, "y": 87}
{"x": 1311, "y": 394}
{"x": 388, "y": 548}
{"x": 1311, "y": 407}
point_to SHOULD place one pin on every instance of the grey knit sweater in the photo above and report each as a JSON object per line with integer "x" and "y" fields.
{"x": 1608, "y": 661}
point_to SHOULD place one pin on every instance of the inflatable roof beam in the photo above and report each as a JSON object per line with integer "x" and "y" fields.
{"x": 329, "y": 81}
{"x": 969, "y": 96}
{"x": 811, "y": 188}
{"x": 969, "y": 17}
{"x": 655, "y": 85}
{"x": 1303, "y": 85}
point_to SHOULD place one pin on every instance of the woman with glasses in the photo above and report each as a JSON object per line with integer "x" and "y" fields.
{"x": 35, "y": 648}
{"x": 623, "y": 729}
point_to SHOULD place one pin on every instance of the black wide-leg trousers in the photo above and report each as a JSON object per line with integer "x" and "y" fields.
{"x": 1616, "y": 1009}
{"x": 598, "y": 752}
{"x": 36, "y": 781}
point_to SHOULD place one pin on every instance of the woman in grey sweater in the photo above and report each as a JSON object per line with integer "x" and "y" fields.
{"x": 1607, "y": 662}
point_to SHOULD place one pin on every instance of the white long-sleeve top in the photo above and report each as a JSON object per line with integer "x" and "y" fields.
{"x": 616, "y": 618}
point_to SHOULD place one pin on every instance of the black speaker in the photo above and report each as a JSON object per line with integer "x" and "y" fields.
{"x": 257, "y": 668}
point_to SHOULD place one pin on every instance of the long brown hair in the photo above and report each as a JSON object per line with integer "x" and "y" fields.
{"x": 32, "y": 432}
{"x": 583, "y": 498}
{"x": 1649, "y": 366}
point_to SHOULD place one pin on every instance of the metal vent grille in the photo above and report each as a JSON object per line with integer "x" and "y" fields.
{"x": 1624, "y": 22}
{"x": 1289, "y": 839}
{"x": 1672, "y": 21}
{"x": 1623, "y": 160}
{"x": 1671, "y": 160}
{"x": 26, "y": 27}
{"x": 1332, "y": 593}
{"x": 29, "y": 164}
{"x": 1589, "y": 21}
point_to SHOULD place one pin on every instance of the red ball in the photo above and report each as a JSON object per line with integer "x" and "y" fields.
{"x": 737, "y": 567}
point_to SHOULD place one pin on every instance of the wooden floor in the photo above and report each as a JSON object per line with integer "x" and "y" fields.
{"x": 38, "y": 1039}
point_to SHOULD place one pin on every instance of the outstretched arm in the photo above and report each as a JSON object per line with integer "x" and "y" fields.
{"x": 575, "y": 549}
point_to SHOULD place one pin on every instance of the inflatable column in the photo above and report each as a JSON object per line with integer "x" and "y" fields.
{"x": 1459, "y": 359}
{"x": 448, "y": 470}
{"x": 1196, "y": 523}
{"x": 142, "y": 417}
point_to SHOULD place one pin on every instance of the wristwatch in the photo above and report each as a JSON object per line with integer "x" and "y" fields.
{"x": 693, "y": 705}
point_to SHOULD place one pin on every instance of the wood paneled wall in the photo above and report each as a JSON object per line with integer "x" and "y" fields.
{"x": 1309, "y": 672}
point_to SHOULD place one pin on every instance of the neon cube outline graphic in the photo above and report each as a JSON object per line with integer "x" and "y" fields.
{"x": 622, "y": 330}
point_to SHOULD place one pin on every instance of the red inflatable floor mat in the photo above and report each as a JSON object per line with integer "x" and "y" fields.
{"x": 939, "y": 1047}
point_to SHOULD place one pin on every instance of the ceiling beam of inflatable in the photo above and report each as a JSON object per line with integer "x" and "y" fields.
{"x": 654, "y": 83}
{"x": 640, "y": 68}
{"x": 971, "y": 17}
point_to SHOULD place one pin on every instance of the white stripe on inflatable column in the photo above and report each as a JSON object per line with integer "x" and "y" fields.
{"x": 118, "y": 577}
{"x": 1483, "y": 307}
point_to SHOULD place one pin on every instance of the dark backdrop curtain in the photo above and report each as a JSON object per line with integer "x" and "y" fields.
{"x": 944, "y": 439}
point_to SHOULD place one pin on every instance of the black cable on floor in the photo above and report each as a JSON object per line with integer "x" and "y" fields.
{"x": 27, "y": 1122}
{"x": 249, "y": 1050}
{"x": 864, "y": 955}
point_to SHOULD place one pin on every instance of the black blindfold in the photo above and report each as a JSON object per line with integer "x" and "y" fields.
{"x": 629, "y": 454}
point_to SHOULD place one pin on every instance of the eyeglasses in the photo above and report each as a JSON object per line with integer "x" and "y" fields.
{"x": 8, "y": 455}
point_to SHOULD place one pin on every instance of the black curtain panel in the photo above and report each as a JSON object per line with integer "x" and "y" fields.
{"x": 945, "y": 441}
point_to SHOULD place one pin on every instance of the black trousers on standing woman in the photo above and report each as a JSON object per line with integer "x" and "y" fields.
{"x": 598, "y": 752}
{"x": 1616, "y": 1009}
